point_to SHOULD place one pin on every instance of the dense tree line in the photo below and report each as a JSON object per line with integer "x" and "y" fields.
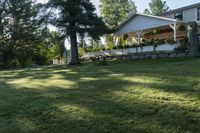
{"x": 26, "y": 40}
{"x": 23, "y": 34}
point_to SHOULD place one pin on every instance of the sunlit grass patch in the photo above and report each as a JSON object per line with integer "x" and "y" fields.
{"x": 125, "y": 96}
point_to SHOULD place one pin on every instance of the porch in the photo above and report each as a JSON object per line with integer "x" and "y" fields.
{"x": 145, "y": 30}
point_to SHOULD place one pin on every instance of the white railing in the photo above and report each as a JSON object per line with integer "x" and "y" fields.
{"x": 144, "y": 49}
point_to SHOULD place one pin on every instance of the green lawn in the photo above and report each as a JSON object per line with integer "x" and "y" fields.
{"x": 126, "y": 96}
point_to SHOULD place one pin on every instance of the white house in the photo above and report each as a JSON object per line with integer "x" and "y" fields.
{"x": 172, "y": 25}
{"x": 140, "y": 25}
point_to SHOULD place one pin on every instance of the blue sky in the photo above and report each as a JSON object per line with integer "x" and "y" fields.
{"x": 142, "y": 4}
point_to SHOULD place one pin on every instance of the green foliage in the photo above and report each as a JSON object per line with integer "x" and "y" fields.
{"x": 115, "y": 12}
{"x": 157, "y": 7}
{"x": 184, "y": 45}
{"x": 20, "y": 22}
{"x": 146, "y": 11}
{"x": 156, "y": 31}
{"x": 81, "y": 52}
{"x": 171, "y": 41}
{"x": 102, "y": 61}
{"x": 51, "y": 47}
{"x": 76, "y": 16}
{"x": 109, "y": 41}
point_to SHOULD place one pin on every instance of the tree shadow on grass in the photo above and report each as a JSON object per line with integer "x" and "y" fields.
{"x": 98, "y": 102}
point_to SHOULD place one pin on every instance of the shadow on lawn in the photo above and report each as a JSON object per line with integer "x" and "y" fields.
{"x": 98, "y": 102}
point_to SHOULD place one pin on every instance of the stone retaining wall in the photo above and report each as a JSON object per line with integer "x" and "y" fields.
{"x": 144, "y": 49}
{"x": 137, "y": 56}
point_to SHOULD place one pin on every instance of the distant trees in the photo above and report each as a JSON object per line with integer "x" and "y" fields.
{"x": 23, "y": 31}
{"x": 115, "y": 12}
{"x": 19, "y": 26}
{"x": 157, "y": 7}
{"x": 50, "y": 47}
{"x": 76, "y": 16}
{"x": 25, "y": 38}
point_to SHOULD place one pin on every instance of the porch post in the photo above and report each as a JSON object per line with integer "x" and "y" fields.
{"x": 174, "y": 27}
{"x": 138, "y": 32}
{"x": 188, "y": 32}
{"x": 175, "y": 32}
{"x": 116, "y": 40}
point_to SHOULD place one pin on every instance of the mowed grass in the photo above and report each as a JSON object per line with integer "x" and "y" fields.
{"x": 145, "y": 96}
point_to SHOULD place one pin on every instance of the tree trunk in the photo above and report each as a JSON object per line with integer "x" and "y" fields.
{"x": 73, "y": 59}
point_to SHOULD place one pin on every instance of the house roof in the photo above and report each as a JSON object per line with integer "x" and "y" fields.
{"x": 148, "y": 16}
{"x": 180, "y": 9}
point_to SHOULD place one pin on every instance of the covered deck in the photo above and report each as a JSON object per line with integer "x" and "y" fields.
{"x": 141, "y": 28}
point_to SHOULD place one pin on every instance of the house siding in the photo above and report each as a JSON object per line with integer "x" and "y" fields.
{"x": 135, "y": 24}
{"x": 188, "y": 15}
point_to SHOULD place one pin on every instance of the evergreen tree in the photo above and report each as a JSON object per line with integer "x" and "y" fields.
{"x": 157, "y": 7}
{"x": 76, "y": 16}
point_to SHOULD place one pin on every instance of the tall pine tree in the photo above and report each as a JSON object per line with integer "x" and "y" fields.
{"x": 76, "y": 16}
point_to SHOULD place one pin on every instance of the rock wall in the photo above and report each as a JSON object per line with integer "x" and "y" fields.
{"x": 137, "y": 56}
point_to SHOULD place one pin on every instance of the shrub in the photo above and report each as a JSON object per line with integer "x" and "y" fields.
{"x": 135, "y": 46}
{"x": 143, "y": 44}
{"x": 115, "y": 47}
{"x": 143, "y": 40}
{"x": 120, "y": 46}
{"x": 80, "y": 52}
{"x": 127, "y": 46}
{"x": 125, "y": 37}
{"x": 102, "y": 61}
{"x": 171, "y": 41}
{"x": 183, "y": 45}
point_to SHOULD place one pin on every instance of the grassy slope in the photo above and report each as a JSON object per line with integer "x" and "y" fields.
{"x": 129, "y": 96}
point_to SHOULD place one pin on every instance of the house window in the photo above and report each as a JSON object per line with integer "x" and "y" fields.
{"x": 198, "y": 13}
{"x": 178, "y": 15}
